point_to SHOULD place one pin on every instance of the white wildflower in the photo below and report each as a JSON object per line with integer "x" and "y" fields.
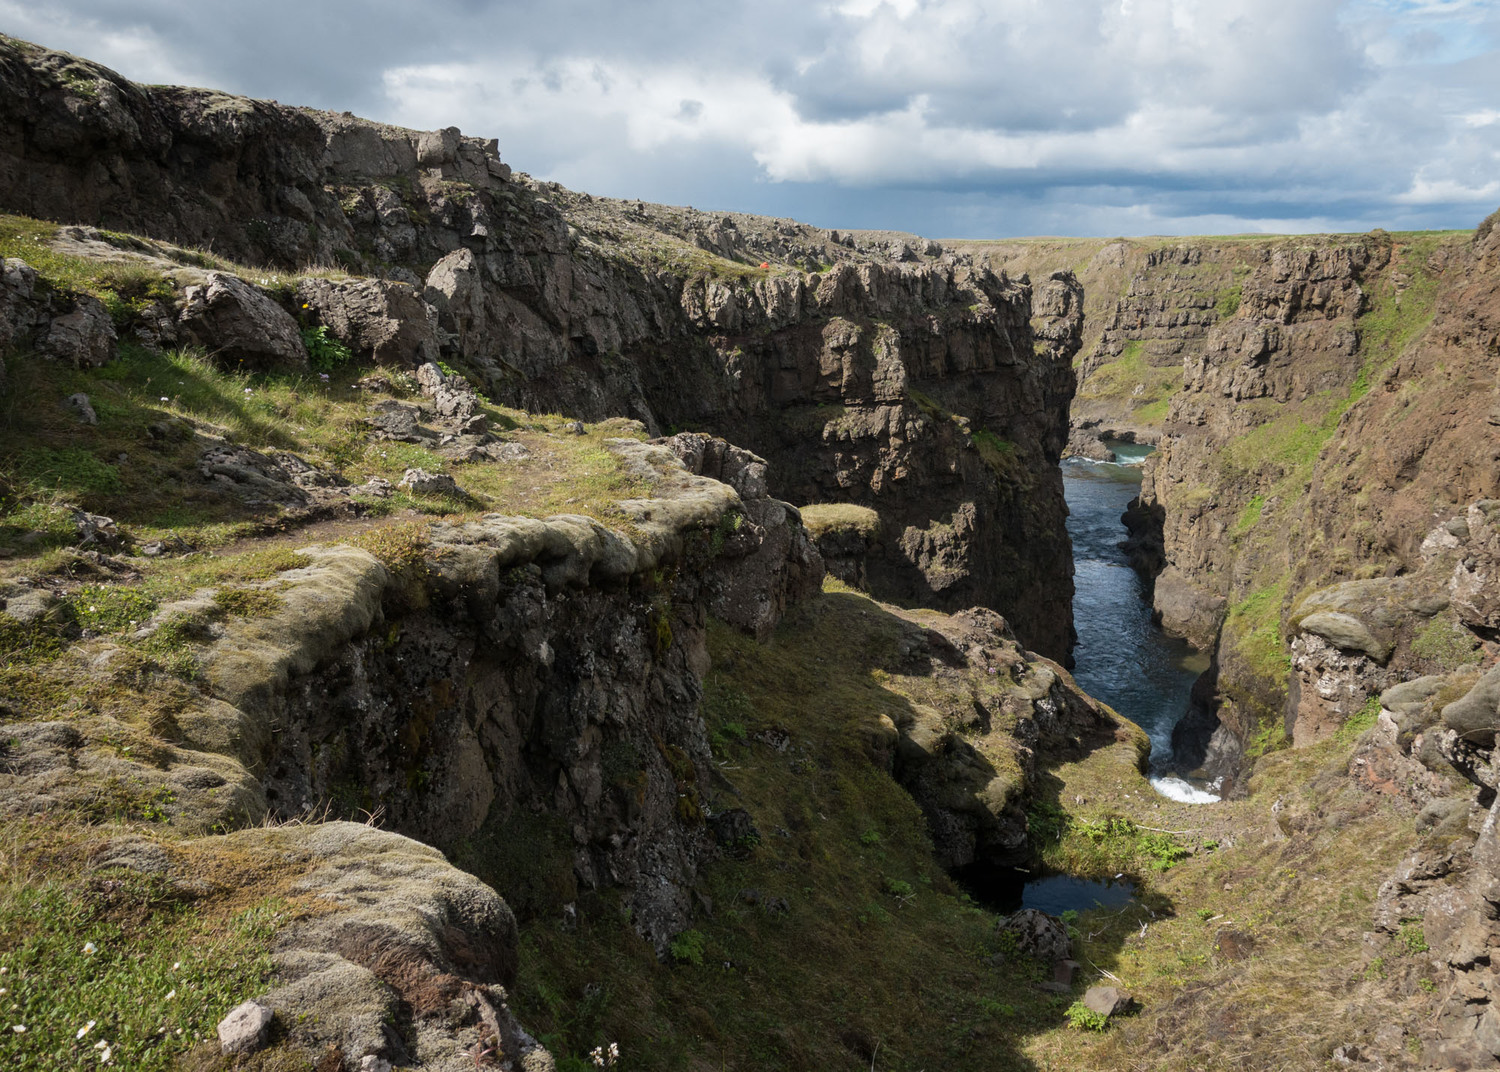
{"x": 90, "y": 947}
{"x": 171, "y": 995}
{"x": 249, "y": 391}
{"x": 19, "y": 1029}
{"x": 86, "y": 1028}
{"x": 101, "y": 1045}
{"x": 164, "y": 398}
{"x": 176, "y": 964}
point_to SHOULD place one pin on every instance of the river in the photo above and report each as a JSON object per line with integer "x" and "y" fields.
{"x": 1122, "y": 656}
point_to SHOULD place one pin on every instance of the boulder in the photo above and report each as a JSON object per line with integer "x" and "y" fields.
{"x": 96, "y": 530}
{"x": 1413, "y": 693}
{"x": 1476, "y": 716}
{"x": 380, "y": 321}
{"x": 421, "y": 482}
{"x": 1108, "y": 1000}
{"x": 240, "y": 326}
{"x": 1347, "y": 633}
{"x": 398, "y": 928}
{"x": 244, "y": 1030}
{"x": 1038, "y": 934}
{"x": 80, "y": 404}
{"x": 451, "y": 396}
{"x": 84, "y": 336}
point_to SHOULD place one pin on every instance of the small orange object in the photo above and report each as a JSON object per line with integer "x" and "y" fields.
{"x": 765, "y": 264}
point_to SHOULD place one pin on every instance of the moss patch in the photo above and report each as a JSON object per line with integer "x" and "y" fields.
{"x": 824, "y": 518}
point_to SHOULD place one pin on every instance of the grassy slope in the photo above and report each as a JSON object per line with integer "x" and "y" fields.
{"x": 173, "y": 952}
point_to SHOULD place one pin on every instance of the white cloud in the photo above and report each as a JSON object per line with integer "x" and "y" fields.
{"x": 1425, "y": 191}
{"x": 126, "y": 46}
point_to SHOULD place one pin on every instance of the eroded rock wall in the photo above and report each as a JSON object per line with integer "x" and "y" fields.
{"x": 1320, "y": 435}
{"x": 1148, "y": 305}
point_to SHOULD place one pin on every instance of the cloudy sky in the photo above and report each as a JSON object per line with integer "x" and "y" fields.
{"x": 950, "y": 118}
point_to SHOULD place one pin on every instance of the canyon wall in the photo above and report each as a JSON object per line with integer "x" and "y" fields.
{"x": 1320, "y": 404}
{"x": 881, "y": 370}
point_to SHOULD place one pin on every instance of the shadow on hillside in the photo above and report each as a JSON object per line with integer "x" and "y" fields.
{"x": 875, "y": 956}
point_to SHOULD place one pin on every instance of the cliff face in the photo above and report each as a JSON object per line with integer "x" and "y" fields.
{"x": 1149, "y": 305}
{"x": 1319, "y": 436}
{"x": 1306, "y": 436}
{"x": 878, "y": 370}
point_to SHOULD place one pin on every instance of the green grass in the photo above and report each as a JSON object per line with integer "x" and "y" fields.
{"x": 122, "y": 959}
{"x": 1446, "y": 645}
{"x": 1253, "y": 625}
{"x": 823, "y": 518}
{"x": 1228, "y": 302}
{"x": 1304, "y": 988}
{"x": 1361, "y": 720}
{"x": 49, "y": 463}
{"x": 998, "y": 453}
{"x": 124, "y": 287}
{"x": 1394, "y": 318}
{"x": 1249, "y": 516}
{"x": 1143, "y": 389}
{"x": 1102, "y": 844}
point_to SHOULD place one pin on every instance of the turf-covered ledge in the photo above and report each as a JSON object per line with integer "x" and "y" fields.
{"x": 402, "y": 956}
{"x": 326, "y": 603}
{"x": 209, "y": 776}
{"x": 337, "y": 596}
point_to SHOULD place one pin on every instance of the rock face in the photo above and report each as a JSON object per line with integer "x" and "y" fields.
{"x": 880, "y": 370}
{"x": 72, "y": 328}
{"x": 1148, "y": 307}
{"x": 765, "y": 557}
{"x": 949, "y": 428}
{"x": 969, "y": 755}
{"x": 384, "y": 322}
{"x": 240, "y": 327}
{"x": 1310, "y": 411}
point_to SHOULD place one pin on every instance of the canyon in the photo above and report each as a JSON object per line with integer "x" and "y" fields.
{"x": 431, "y": 560}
